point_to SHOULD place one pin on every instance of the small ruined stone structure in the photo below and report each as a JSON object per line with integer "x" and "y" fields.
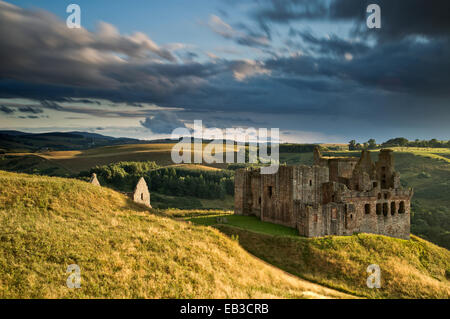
{"x": 335, "y": 196}
{"x": 141, "y": 194}
{"x": 94, "y": 180}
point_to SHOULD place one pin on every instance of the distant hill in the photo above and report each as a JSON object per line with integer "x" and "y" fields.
{"x": 16, "y": 141}
{"x": 123, "y": 250}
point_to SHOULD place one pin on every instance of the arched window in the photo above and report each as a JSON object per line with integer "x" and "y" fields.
{"x": 393, "y": 208}
{"x": 270, "y": 191}
{"x": 401, "y": 208}
{"x": 385, "y": 209}
{"x": 367, "y": 208}
{"x": 378, "y": 209}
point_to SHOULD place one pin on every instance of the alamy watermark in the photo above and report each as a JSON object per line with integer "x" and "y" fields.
{"x": 74, "y": 279}
{"x": 374, "y": 19}
{"x": 374, "y": 279}
{"x": 250, "y": 145}
{"x": 74, "y": 19}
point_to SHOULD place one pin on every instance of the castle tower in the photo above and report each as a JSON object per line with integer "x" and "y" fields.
{"x": 363, "y": 173}
{"x": 385, "y": 168}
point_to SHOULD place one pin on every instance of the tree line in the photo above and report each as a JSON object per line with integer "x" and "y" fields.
{"x": 398, "y": 142}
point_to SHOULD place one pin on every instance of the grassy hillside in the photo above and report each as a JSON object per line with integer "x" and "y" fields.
{"x": 123, "y": 250}
{"x": 409, "y": 269}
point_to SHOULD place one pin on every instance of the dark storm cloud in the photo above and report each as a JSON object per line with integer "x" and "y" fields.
{"x": 162, "y": 123}
{"x": 30, "y": 109}
{"x": 6, "y": 110}
{"x": 283, "y": 11}
{"x": 241, "y": 35}
{"x": 331, "y": 45}
{"x": 77, "y": 61}
{"x": 335, "y": 85}
{"x": 99, "y": 112}
{"x": 399, "y": 18}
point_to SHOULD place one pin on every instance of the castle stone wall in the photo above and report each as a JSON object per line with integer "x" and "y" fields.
{"x": 343, "y": 197}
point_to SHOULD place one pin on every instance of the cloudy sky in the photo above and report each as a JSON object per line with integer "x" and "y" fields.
{"x": 311, "y": 68}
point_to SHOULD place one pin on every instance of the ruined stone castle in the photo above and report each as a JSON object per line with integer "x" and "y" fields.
{"x": 335, "y": 196}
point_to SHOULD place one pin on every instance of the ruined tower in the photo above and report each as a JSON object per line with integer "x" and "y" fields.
{"x": 141, "y": 194}
{"x": 94, "y": 180}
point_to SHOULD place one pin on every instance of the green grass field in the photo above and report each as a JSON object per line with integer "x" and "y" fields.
{"x": 245, "y": 222}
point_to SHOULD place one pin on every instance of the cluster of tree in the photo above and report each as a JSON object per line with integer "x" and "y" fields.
{"x": 191, "y": 182}
{"x": 401, "y": 141}
{"x": 297, "y": 148}
{"x": 369, "y": 145}
{"x": 170, "y": 181}
{"x": 398, "y": 141}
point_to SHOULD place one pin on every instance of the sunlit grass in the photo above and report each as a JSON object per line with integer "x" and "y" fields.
{"x": 123, "y": 250}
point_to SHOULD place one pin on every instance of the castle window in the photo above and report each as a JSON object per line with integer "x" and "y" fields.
{"x": 270, "y": 192}
{"x": 385, "y": 209}
{"x": 378, "y": 209}
{"x": 385, "y": 195}
{"x": 401, "y": 208}
{"x": 375, "y": 184}
{"x": 379, "y": 195}
{"x": 392, "y": 208}
{"x": 315, "y": 218}
{"x": 367, "y": 208}
{"x": 259, "y": 200}
{"x": 310, "y": 182}
{"x": 142, "y": 196}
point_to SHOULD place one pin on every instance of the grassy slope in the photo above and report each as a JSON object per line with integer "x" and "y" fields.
{"x": 409, "y": 269}
{"x": 123, "y": 250}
